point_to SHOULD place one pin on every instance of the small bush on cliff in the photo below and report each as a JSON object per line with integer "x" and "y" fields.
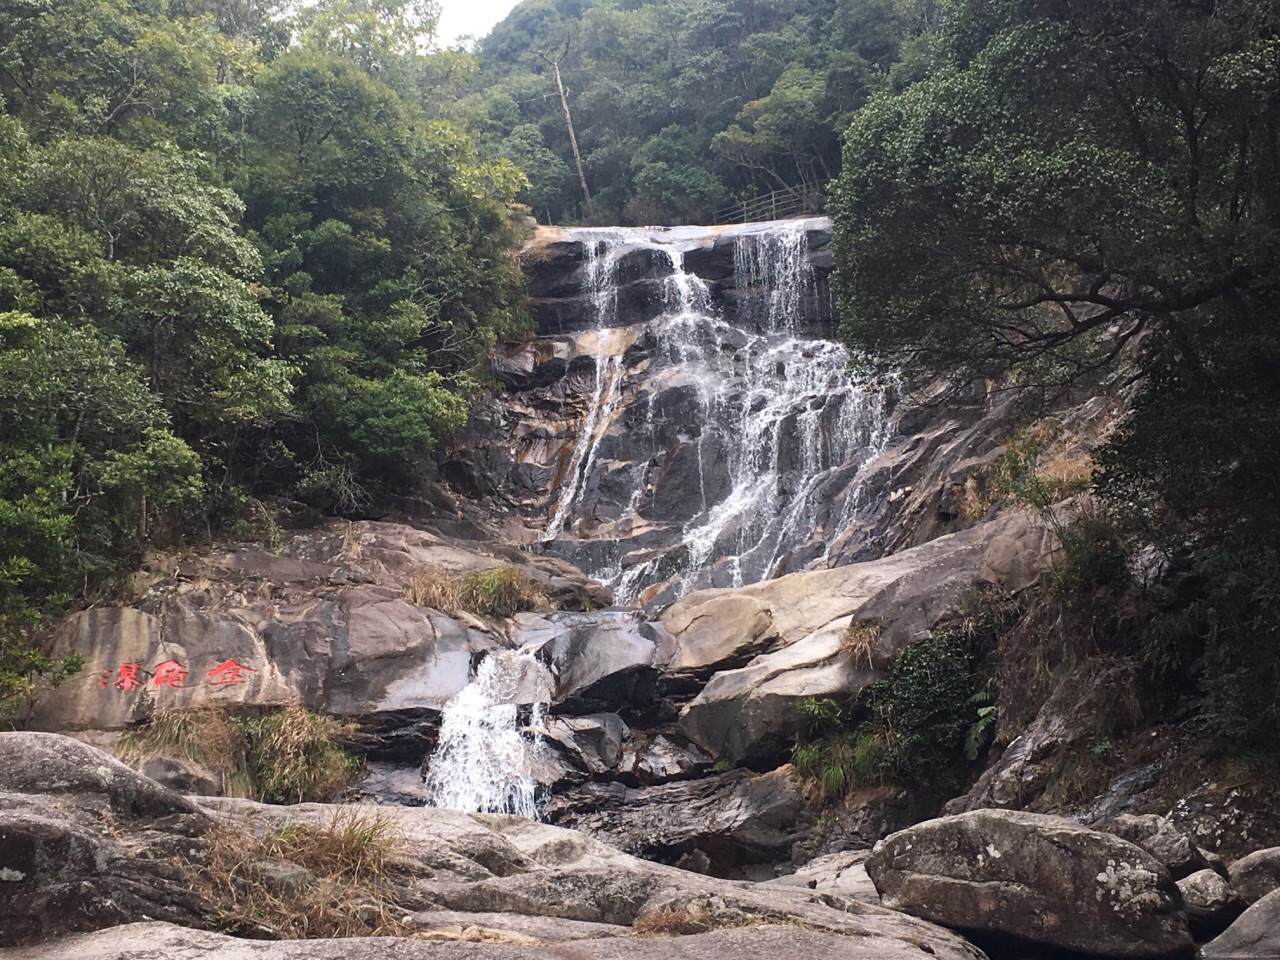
{"x": 925, "y": 725}
{"x": 283, "y": 756}
{"x": 497, "y": 592}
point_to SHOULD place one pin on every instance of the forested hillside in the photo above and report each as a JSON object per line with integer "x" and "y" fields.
{"x": 682, "y": 107}
{"x": 1084, "y": 195}
{"x": 241, "y": 258}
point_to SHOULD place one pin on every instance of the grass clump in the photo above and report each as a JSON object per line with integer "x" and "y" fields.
{"x": 288, "y": 755}
{"x": 303, "y": 880}
{"x": 496, "y": 592}
{"x": 691, "y": 919}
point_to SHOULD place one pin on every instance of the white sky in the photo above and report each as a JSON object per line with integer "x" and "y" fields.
{"x": 475, "y": 17}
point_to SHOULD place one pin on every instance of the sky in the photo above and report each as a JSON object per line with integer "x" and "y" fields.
{"x": 475, "y": 17}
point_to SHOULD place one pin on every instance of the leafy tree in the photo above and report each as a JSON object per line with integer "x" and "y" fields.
{"x": 1079, "y": 188}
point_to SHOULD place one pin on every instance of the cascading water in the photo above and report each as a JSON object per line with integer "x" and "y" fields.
{"x": 485, "y": 759}
{"x": 778, "y": 416}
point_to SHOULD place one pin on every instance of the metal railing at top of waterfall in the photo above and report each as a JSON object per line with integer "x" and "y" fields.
{"x": 776, "y": 205}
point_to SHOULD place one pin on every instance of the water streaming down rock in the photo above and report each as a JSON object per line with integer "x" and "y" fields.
{"x": 490, "y": 741}
{"x": 777, "y": 425}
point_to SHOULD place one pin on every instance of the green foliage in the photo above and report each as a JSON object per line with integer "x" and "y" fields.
{"x": 925, "y": 725}
{"x": 679, "y": 107}
{"x": 1062, "y": 184}
{"x": 242, "y": 259}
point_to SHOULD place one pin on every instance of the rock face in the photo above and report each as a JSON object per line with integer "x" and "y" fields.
{"x": 682, "y": 424}
{"x": 176, "y": 943}
{"x": 791, "y": 630}
{"x": 1040, "y": 880}
{"x": 717, "y": 825}
{"x": 324, "y": 623}
{"x": 86, "y": 843}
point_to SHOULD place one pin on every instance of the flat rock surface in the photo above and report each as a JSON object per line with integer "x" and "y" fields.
{"x": 162, "y": 941}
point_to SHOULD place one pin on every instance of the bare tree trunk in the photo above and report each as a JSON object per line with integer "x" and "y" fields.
{"x": 568, "y": 122}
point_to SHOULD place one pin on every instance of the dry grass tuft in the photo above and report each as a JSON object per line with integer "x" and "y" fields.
{"x": 692, "y": 919}
{"x": 305, "y": 881}
{"x": 292, "y": 756}
{"x": 497, "y": 592}
{"x": 1066, "y": 472}
{"x": 858, "y": 642}
{"x": 283, "y": 756}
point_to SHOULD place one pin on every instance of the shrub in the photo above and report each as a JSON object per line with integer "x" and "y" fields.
{"x": 283, "y": 756}
{"x": 925, "y": 725}
{"x": 345, "y": 887}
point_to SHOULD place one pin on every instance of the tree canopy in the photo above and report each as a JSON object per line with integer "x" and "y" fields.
{"x": 1088, "y": 191}
{"x": 681, "y": 107}
{"x": 242, "y": 258}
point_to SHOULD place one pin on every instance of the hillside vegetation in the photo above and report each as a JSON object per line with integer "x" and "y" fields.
{"x": 681, "y": 107}
{"x": 1084, "y": 195}
{"x": 242, "y": 259}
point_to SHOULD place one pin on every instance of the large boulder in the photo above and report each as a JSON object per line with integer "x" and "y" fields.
{"x": 753, "y": 711}
{"x": 1256, "y": 875}
{"x": 1255, "y": 934}
{"x": 86, "y": 842}
{"x": 1211, "y": 903}
{"x": 718, "y": 825}
{"x": 1040, "y": 880}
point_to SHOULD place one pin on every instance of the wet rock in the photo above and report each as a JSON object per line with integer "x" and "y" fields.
{"x": 1256, "y": 875}
{"x": 1255, "y": 934}
{"x": 593, "y": 742}
{"x": 661, "y": 760}
{"x": 1040, "y": 880}
{"x": 735, "y": 819}
{"x": 1211, "y": 903}
{"x": 600, "y": 661}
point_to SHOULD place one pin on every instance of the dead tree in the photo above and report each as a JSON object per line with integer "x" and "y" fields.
{"x": 568, "y": 119}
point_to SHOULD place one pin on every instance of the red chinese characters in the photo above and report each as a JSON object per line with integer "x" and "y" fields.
{"x": 130, "y": 677}
{"x": 229, "y": 672}
{"x": 171, "y": 674}
{"x": 126, "y": 677}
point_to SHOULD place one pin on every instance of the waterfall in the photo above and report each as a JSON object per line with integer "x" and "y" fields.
{"x": 486, "y": 758}
{"x": 781, "y": 424}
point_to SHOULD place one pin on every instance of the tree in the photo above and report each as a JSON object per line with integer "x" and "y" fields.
{"x": 1082, "y": 191}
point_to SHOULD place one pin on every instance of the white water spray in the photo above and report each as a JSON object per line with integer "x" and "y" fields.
{"x": 485, "y": 760}
{"x": 780, "y": 410}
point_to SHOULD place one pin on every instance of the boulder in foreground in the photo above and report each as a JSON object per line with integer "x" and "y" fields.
{"x": 1040, "y": 880}
{"x": 1255, "y": 934}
